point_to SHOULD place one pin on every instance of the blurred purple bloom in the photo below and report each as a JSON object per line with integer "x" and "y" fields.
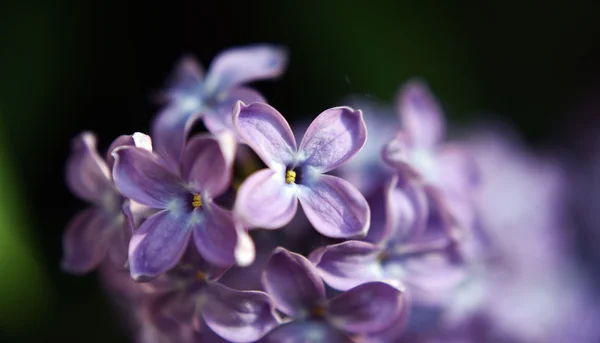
{"x": 191, "y": 95}
{"x": 186, "y": 207}
{"x": 418, "y": 153}
{"x": 269, "y": 197}
{"x": 409, "y": 252}
{"x": 101, "y": 228}
{"x": 297, "y": 290}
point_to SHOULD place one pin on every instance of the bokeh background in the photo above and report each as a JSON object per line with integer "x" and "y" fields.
{"x": 94, "y": 65}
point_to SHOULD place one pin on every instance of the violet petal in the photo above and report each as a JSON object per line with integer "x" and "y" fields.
{"x": 238, "y": 316}
{"x": 311, "y": 331}
{"x": 267, "y": 132}
{"x": 367, "y": 308}
{"x": 204, "y": 166}
{"x": 421, "y": 115}
{"x": 220, "y": 118}
{"x": 86, "y": 239}
{"x": 158, "y": 244}
{"x": 240, "y": 65}
{"x": 335, "y": 208}
{"x": 264, "y": 200}
{"x": 219, "y": 238}
{"x": 293, "y": 282}
{"x": 87, "y": 175}
{"x": 332, "y": 138}
{"x": 139, "y": 175}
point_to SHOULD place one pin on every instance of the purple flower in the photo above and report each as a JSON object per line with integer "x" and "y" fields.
{"x": 191, "y": 95}
{"x": 100, "y": 229}
{"x": 186, "y": 207}
{"x": 297, "y": 290}
{"x": 269, "y": 197}
{"x": 409, "y": 250}
{"x": 417, "y": 152}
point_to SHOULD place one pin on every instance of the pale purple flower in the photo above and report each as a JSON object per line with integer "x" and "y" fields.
{"x": 186, "y": 208}
{"x": 418, "y": 152}
{"x": 269, "y": 198}
{"x": 410, "y": 250}
{"x": 101, "y": 228}
{"x": 297, "y": 290}
{"x": 191, "y": 95}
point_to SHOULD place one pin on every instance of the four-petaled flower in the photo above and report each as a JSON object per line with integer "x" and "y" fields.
{"x": 185, "y": 201}
{"x": 269, "y": 197}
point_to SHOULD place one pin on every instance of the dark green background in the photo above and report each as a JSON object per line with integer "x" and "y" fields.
{"x": 94, "y": 65}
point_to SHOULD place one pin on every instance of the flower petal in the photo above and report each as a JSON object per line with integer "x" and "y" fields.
{"x": 333, "y": 137}
{"x": 396, "y": 155}
{"x": 88, "y": 176}
{"x": 335, "y": 208}
{"x": 349, "y": 264}
{"x": 204, "y": 166}
{"x": 311, "y": 331}
{"x": 238, "y": 316}
{"x": 367, "y": 308}
{"x": 421, "y": 115}
{"x": 267, "y": 132}
{"x": 240, "y": 65}
{"x": 138, "y": 139}
{"x": 220, "y": 118}
{"x": 86, "y": 239}
{"x": 406, "y": 209}
{"x": 264, "y": 200}
{"x": 170, "y": 129}
{"x": 293, "y": 282}
{"x": 139, "y": 175}
{"x": 220, "y": 239}
{"x": 186, "y": 78}
{"x": 158, "y": 244}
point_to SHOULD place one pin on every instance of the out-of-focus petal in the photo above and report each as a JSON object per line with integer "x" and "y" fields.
{"x": 267, "y": 132}
{"x": 311, "y": 331}
{"x": 333, "y": 137}
{"x": 88, "y": 176}
{"x": 170, "y": 129}
{"x": 348, "y": 264}
{"x": 217, "y": 237}
{"x": 204, "y": 166}
{"x": 421, "y": 115}
{"x": 367, "y": 308}
{"x": 220, "y": 118}
{"x": 406, "y": 209}
{"x": 264, "y": 200}
{"x": 186, "y": 77}
{"x": 119, "y": 244}
{"x": 139, "y": 175}
{"x": 238, "y": 316}
{"x": 240, "y": 65}
{"x": 335, "y": 208}
{"x": 158, "y": 244}
{"x": 293, "y": 283}
{"x": 86, "y": 239}
{"x": 396, "y": 155}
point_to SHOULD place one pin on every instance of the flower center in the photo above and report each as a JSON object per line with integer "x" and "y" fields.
{"x": 197, "y": 201}
{"x": 200, "y": 275}
{"x": 317, "y": 312}
{"x": 290, "y": 176}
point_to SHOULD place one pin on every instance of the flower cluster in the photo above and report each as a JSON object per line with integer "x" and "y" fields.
{"x": 402, "y": 236}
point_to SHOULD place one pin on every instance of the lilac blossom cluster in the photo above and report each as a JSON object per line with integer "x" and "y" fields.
{"x": 402, "y": 236}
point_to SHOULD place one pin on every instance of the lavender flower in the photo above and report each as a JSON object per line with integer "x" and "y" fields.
{"x": 299, "y": 292}
{"x": 190, "y": 95}
{"x": 417, "y": 153}
{"x": 100, "y": 229}
{"x": 186, "y": 207}
{"x": 269, "y": 197}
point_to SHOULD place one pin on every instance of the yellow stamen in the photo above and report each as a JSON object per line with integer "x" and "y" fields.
{"x": 290, "y": 176}
{"x": 318, "y": 312}
{"x": 197, "y": 201}
{"x": 200, "y": 275}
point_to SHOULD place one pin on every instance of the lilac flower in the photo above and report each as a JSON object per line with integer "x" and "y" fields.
{"x": 406, "y": 249}
{"x": 417, "y": 152}
{"x": 190, "y": 95}
{"x": 100, "y": 229}
{"x": 298, "y": 291}
{"x": 186, "y": 207}
{"x": 269, "y": 197}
